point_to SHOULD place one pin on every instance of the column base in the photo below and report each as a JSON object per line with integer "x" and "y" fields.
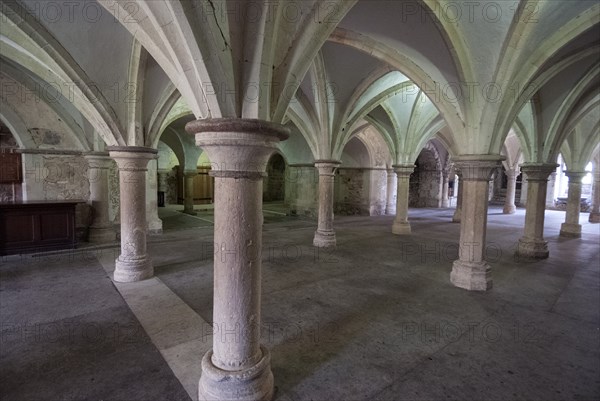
{"x": 532, "y": 249}
{"x": 254, "y": 383}
{"x": 570, "y": 230}
{"x": 155, "y": 227}
{"x": 390, "y": 211}
{"x": 509, "y": 209}
{"x": 401, "y": 228}
{"x": 445, "y": 204}
{"x": 324, "y": 239}
{"x": 594, "y": 217}
{"x": 191, "y": 212}
{"x": 132, "y": 270}
{"x": 100, "y": 235}
{"x": 471, "y": 276}
{"x": 456, "y": 216}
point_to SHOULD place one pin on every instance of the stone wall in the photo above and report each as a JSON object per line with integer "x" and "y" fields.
{"x": 59, "y": 177}
{"x": 352, "y": 191}
{"x": 301, "y": 190}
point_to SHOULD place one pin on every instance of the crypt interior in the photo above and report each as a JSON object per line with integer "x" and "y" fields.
{"x": 299, "y": 200}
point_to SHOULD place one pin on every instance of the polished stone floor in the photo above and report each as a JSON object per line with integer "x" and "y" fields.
{"x": 374, "y": 319}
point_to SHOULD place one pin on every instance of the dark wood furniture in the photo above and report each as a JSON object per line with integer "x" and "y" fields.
{"x": 37, "y": 226}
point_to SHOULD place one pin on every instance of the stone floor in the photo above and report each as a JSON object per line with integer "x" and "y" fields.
{"x": 375, "y": 319}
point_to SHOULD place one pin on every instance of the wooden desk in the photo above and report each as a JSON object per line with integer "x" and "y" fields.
{"x": 37, "y": 226}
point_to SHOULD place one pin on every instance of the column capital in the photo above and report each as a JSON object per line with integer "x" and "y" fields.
{"x": 538, "y": 171}
{"x": 575, "y": 176}
{"x": 236, "y": 147}
{"x": 190, "y": 173}
{"x": 477, "y": 167}
{"x": 327, "y": 167}
{"x": 512, "y": 173}
{"x": 404, "y": 169}
{"x": 132, "y": 158}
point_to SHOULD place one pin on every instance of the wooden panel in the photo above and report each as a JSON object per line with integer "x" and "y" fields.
{"x": 204, "y": 184}
{"x": 37, "y": 226}
{"x": 17, "y": 228}
{"x": 55, "y": 226}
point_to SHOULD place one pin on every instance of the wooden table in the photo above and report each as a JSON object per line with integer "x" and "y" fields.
{"x": 37, "y": 226}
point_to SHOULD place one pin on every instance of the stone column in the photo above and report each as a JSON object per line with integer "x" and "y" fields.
{"x": 325, "y": 234}
{"x": 392, "y": 192}
{"x": 101, "y": 229}
{"x": 154, "y": 222}
{"x": 459, "y": 197}
{"x": 188, "y": 198}
{"x": 523, "y": 197}
{"x": 511, "y": 188}
{"x": 532, "y": 244}
{"x": 550, "y": 191}
{"x": 595, "y": 212}
{"x": 471, "y": 271}
{"x": 401, "y": 224}
{"x": 571, "y": 226}
{"x": 238, "y": 366}
{"x": 133, "y": 264}
{"x": 445, "y": 201}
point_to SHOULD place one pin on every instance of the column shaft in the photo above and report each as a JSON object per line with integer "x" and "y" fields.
{"x": 445, "y": 201}
{"x": 595, "y": 212}
{"x": 459, "y": 198}
{"x": 532, "y": 244}
{"x": 133, "y": 264}
{"x": 237, "y": 367}
{"x": 101, "y": 229}
{"x": 571, "y": 226}
{"x": 154, "y": 222}
{"x": 401, "y": 224}
{"x": 471, "y": 271}
{"x": 325, "y": 234}
{"x": 392, "y": 192}
{"x": 511, "y": 188}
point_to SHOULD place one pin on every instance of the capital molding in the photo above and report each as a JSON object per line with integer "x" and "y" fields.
{"x": 404, "y": 169}
{"x": 477, "y": 167}
{"x": 575, "y": 176}
{"x": 237, "y": 147}
{"x": 538, "y": 171}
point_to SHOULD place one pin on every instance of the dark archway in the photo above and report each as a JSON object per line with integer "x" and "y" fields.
{"x": 274, "y": 182}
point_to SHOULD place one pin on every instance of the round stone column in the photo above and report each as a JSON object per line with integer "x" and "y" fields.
{"x": 101, "y": 230}
{"x": 511, "y": 189}
{"x": 392, "y": 192}
{"x": 445, "y": 201}
{"x": 459, "y": 197}
{"x": 237, "y": 367}
{"x": 595, "y": 212}
{"x": 325, "y": 234}
{"x": 550, "y": 204}
{"x": 532, "y": 244}
{"x": 133, "y": 264}
{"x": 155, "y": 224}
{"x": 188, "y": 200}
{"x": 571, "y": 226}
{"x": 471, "y": 271}
{"x": 401, "y": 224}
